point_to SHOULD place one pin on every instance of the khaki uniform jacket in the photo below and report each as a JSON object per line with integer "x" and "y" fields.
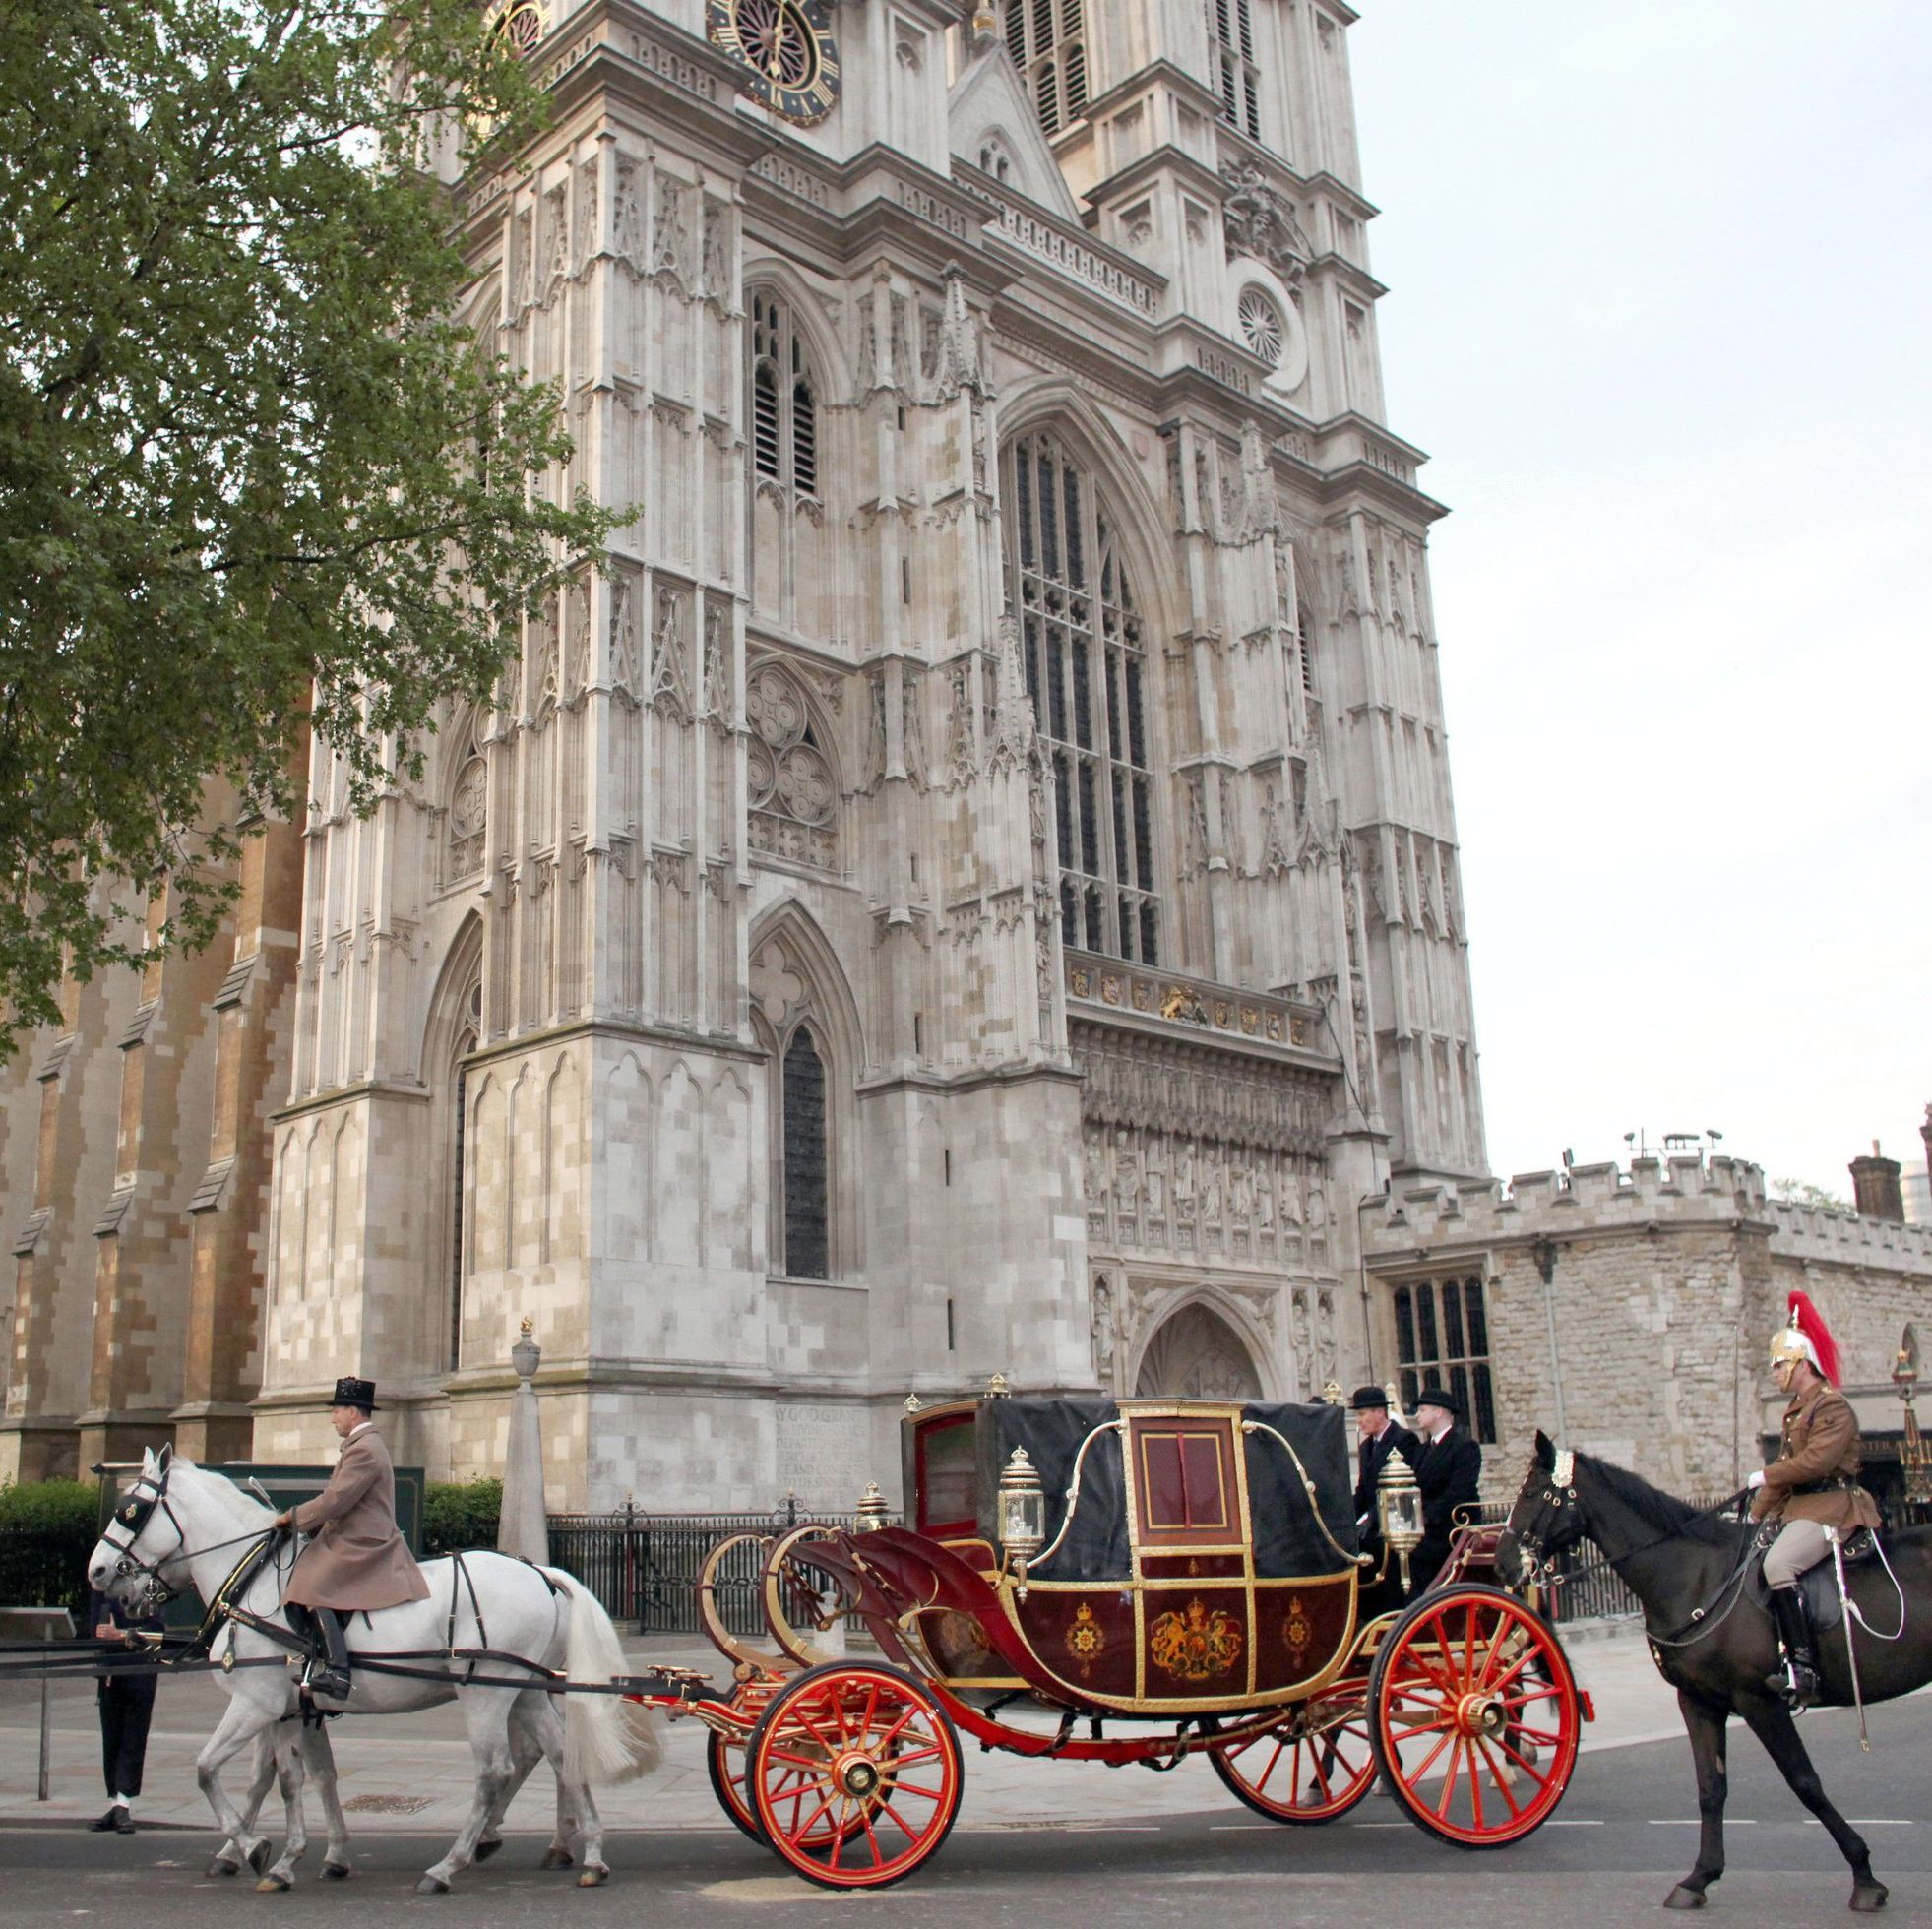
{"x": 1821, "y": 1443}
{"x": 358, "y": 1558}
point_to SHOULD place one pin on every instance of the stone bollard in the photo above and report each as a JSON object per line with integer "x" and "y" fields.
{"x": 523, "y": 1528}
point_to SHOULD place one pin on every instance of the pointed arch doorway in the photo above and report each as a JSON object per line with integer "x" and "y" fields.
{"x": 1195, "y": 1354}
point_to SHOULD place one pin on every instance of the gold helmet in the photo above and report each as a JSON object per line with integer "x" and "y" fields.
{"x": 1805, "y": 1337}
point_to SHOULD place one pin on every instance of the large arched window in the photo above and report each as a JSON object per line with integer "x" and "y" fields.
{"x": 802, "y": 1158}
{"x": 468, "y": 1035}
{"x": 1084, "y": 653}
{"x": 1047, "y": 43}
{"x": 785, "y": 430}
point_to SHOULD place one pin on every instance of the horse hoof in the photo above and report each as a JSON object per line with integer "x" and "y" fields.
{"x": 271, "y": 1886}
{"x": 1681, "y": 1897}
{"x": 258, "y": 1857}
{"x": 432, "y": 1886}
{"x": 485, "y": 1851}
{"x": 593, "y": 1878}
{"x": 335, "y": 1872}
{"x": 1868, "y": 1900}
{"x": 221, "y": 1866}
{"x": 555, "y": 1858}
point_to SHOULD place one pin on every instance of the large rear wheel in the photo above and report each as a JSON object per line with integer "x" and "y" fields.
{"x": 1474, "y": 1717}
{"x": 855, "y": 1775}
{"x": 1315, "y": 1763}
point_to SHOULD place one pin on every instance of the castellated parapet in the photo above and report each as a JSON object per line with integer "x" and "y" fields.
{"x": 1627, "y": 1311}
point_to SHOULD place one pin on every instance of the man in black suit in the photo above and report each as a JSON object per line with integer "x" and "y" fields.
{"x": 127, "y": 1706}
{"x": 1380, "y": 1436}
{"x": 1449, "y": 1471}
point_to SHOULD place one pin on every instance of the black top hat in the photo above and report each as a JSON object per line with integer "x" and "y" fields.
{"x": 351, "y": 1391}
{"x": 1433, "y": 1396}
{"x": 1364, "y": 1397}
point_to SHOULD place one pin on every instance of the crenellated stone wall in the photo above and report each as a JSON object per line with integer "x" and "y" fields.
{"x": 1629, "y": 1312}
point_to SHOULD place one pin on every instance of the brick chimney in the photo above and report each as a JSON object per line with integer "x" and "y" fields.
{"x": 1875, "y": 1189}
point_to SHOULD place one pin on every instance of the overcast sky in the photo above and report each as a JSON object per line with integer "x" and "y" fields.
{"x": 1660, "y": 310}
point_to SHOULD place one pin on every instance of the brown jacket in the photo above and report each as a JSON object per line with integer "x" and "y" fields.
{"x": 1821, "y": 1443}
{"x": 357, "y": 1559}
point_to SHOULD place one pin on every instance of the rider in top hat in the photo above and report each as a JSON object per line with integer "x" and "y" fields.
{"x": 1381, "y": 1436}
{"x": 357, "y": 1559}
{"x": 1448, "y": 1469}
{"x": 1813, "y": 1484}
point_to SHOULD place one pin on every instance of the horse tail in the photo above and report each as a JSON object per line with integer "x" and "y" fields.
{"x": 606, "y": 1738}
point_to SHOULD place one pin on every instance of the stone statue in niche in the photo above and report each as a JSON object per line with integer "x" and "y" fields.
{"x": 1103, "y": 1332}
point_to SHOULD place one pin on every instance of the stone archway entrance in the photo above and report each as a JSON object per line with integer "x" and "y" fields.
{"x": 1197, "y": 1356}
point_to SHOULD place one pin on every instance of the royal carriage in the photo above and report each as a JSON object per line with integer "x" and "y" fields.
{"x": 1122, "y": 1582}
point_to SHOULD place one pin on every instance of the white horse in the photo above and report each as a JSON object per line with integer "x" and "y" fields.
{"x": 180, "y": 1526}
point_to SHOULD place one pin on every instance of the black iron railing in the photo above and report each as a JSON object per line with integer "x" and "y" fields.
{"x": 645, "y": 1567}
{"x": 45, "y": 1566}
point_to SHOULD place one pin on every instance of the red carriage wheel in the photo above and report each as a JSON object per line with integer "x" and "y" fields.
{"x": 725, "y": 1760}
{"x": 1474, "y": 1715}
{"x": 1313, "y": 1765}
{"x": 855, "y": 1775}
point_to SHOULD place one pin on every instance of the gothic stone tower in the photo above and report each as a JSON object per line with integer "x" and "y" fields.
{"x": 973, "y": 884}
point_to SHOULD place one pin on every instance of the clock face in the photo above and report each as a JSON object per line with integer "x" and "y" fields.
{"x": 785, "y": 47}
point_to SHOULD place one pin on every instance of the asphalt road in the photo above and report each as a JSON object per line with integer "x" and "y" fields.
{"x": 1623, "y": 1835}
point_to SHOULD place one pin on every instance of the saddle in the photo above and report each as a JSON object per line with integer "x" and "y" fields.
{"x": 1818, "y": 1585}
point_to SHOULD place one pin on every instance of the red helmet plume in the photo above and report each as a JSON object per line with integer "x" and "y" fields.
{"x": 1807, "y": 1337}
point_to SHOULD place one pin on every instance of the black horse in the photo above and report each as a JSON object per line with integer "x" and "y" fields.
{"x": 1712, "y": 1643}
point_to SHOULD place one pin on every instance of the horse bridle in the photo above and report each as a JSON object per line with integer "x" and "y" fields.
{"x": 133, "y": 1512}
{"x": 1538, "y": 1560}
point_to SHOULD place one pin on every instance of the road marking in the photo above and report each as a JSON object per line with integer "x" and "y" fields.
{"x": 1691, "y": 1822}
{"x": 1573, "y": 1824}
{"x": 1865, "y": 1822}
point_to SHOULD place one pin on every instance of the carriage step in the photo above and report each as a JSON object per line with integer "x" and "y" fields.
{"x": 1586, "y": 1705}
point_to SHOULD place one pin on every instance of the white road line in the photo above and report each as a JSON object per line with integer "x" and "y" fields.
{"x": 1864, "y": 1822}
{"x": 1572, "y": 1824}
{"x": 1691, "y": 1822}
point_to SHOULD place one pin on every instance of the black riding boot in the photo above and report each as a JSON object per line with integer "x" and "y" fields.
{"x": 1797, "y": 1681}
{"x": 327, "y": 1673}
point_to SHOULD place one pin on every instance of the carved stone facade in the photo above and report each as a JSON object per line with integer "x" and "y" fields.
{"x": 721, "y": 998}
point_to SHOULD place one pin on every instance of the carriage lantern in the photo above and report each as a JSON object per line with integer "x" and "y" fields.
{"x": 1398, "y": 1510}
{"x": 1023, "y": 1507}
{"x": 872, "y": 1513}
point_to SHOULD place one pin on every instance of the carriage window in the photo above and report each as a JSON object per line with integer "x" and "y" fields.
{"x": 1183, "y": 1480}
{"x": 947, "y": 1474}
{"x": 1442, "y": 1333}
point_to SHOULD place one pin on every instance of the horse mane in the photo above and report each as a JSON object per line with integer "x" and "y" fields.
{"x": 1662, "y": 1512}
{"x": 242, "y": 1507}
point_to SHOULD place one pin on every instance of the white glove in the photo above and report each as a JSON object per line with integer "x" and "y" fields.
{"x": 1757, "y": 1479}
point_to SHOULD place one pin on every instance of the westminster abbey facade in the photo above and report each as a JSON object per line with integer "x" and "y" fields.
{"x": 972, "y": 888}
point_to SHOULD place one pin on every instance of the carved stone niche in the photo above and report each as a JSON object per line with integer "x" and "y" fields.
{"x": 1258, "y": 220}
{"x": 793, "y": 795}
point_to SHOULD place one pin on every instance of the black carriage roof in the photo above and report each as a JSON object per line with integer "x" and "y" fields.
{"x": 1269, "y": 1437}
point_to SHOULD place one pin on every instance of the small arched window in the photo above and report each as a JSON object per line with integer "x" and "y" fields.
{"x": 783, "y": 402}
{"x": 802, "y": 1157}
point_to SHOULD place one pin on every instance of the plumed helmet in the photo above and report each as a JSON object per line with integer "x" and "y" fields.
{"x": 1806, "y": 1336}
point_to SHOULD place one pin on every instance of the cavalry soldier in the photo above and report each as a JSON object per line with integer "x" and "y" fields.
{"x": 1380, "y": 1437}
{"x": 1812, "y": 1485}
{"x": 357, "y": 1559}
{"x": 1448, "y": 1469}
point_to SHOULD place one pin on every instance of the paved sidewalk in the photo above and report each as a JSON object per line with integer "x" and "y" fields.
{"x": 412, "y": 1772}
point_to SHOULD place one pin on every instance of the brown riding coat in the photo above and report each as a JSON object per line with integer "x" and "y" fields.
{"x": 1820, "y": 1443}
{"x": 358, "y": 1558}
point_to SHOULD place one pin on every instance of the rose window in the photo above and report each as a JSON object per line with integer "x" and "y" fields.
{"x": 1262, "y": 328}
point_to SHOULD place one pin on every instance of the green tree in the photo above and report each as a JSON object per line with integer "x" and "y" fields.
{"x": 1801, "y": 1192}
{"x": 254, "y": 476}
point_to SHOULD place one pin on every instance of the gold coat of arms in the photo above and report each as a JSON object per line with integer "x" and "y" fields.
{"x": 1195, "y": 1645}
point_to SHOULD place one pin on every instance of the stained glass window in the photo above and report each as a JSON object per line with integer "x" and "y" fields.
{"x": 1084, "y": 649}
{"x": 802, "y": 1112}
